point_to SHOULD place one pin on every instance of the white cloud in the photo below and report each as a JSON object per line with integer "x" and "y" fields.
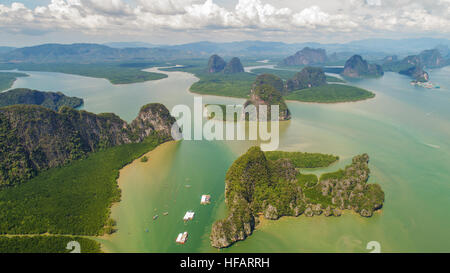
{"x": 312, "y": 17}
{"x": 258, "y": 16}
{"x": 373, "y": 2}
{"x": 167, "y": 7}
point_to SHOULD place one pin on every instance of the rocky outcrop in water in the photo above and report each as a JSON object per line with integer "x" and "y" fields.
{"x": 307, "y": 78}
{"x": 357, "y": 67}
{"x": 268, "y": 95}
{"x": 431, "y": 58}
{"x": 258, "y": 187}
{"x": 36, "y": 138}
{"x": 415, "y": 65}
{"x": 307, "y": 56}
{"x": 417, "y": 73}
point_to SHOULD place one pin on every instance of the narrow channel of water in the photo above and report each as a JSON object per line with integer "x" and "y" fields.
{"x": 405, "y": 130}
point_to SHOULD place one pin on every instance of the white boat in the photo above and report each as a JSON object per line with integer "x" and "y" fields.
{"x": 206, "y": 199}
{"x": 189, "y": 216}
{"x": 182, "y": 238}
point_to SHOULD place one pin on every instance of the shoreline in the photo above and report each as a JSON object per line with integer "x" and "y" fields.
{"x": 114, "y": 205}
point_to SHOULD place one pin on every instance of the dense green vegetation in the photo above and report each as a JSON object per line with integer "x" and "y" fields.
{"x": 272, "y": 80}
{"x": 45, "y": 244}
{"x": 331, "y": 93}
{"x": 7, "y": 79}
{"x": 219, "y": 84}
{"x": 307, "y": 78}
{"x": 234, "y": 66}
{"x": 30, "y": 135}
{"x": 73, "y": 199}
{"x": 304, "y": 160}
{"x": 114, "y": 72}
{"x": 282, "y": 73}
{"x": 289, "y": 74}
{"x": 257, "y": 185}
{"x": 240, "y": 84}
{"x": 49, "y": 100}
{"x": 271, "y": 96}
{"x": 144, "y": 159}
{"x": 230, "y": 85}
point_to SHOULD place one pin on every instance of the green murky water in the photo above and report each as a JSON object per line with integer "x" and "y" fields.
{"x": 405, "y": 130}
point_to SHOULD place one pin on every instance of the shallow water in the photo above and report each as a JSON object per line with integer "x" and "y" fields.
{"x": 405, "y": 130}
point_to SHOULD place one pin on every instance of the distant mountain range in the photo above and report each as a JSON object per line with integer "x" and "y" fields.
{"x": 87, "y": 53}
{"x": 371, "y": 49}
{"x": 131, "y": 45}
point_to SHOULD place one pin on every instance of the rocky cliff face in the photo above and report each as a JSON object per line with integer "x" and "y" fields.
{"x": 267, "y": 95}
{"x": 154, "y": 117}
{"x": 216, "y": 64}
{"x": 36, "y": 138}
{"x": 417, "y": 73}
{"x": 356, "y": 67}
{"x": 414, "y": 65}
{"x": 307, "y": 56}
{"x": 234, "y": 66}
{"x": 255, "y": 186}
{"x": 307, "y": 78}
{"x": 51, "y": 100}
{"x": 431, "y": 58}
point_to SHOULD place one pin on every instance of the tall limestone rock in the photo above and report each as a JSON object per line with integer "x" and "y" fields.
{"x": 307, "y": 56}
{"x": 268, "y": 95}
{"x": 307, "y": 78}
{"x": 357, "y": 67}
{"x": 234, "y": 66}
{"x": 216, "y": 64}
{"x": 36, "y": 138}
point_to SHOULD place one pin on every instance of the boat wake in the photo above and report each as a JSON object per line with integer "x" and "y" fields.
{"x": 432, "y": 146}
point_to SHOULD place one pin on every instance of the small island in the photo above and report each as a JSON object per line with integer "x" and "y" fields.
{"x": 50, "y": 100}
{"x": 270, "y": 185}
{"x": 267, "y": 90}
{"x": 357, "y": 67}
{"x": 311, "y": 85}
{"x": 331, "y": 93}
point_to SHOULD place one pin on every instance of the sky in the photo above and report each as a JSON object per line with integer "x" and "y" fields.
{"x": 30, "y": 22}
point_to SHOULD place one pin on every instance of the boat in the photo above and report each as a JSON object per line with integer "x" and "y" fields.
{"x": 165, "y": 213}
{"x": 206, "y": 199}
{"x": 155, "y": 217}
{"x": 189, "y": 216}
{"x": 182, "y": 238}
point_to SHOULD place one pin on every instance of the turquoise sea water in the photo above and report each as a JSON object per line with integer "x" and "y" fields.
{"x": 405, "y": 130}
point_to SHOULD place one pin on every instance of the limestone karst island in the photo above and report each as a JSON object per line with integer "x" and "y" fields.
{"x": 234, "y": 135}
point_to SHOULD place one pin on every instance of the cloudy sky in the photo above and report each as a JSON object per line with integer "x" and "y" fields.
{"x": 29, "y": 22}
